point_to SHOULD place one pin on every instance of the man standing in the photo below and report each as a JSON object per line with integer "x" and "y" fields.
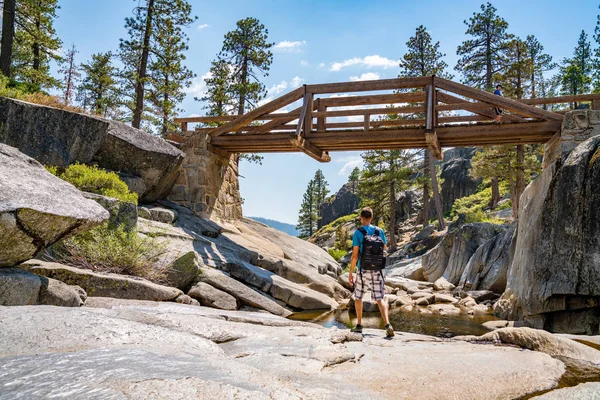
{"x": 368, "y": 252}
{"x": 499, "y": 111}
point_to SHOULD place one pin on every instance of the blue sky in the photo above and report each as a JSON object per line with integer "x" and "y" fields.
{"x": 321, "y": 41}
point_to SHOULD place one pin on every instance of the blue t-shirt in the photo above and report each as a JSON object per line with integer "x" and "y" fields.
{"x": 358, "y": 237}
{"x": 498, "y": 92}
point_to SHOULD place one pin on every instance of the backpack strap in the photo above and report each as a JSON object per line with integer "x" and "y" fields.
{"x": 363, "y": 231}
{"x": 377, "y": 231}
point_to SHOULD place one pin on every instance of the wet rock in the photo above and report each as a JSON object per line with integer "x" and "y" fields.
{"x": 103, "y": 285}
{"x": 122, "y": 213}
{"x": 37, "y": 209}
{"x": 467, "y": 302}
{"x": 444, "y": 309}
{"x": 210, "y": 297}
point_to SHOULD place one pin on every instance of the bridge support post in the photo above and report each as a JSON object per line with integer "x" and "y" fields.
{"x": 208, "y": 180}
{"x": 577, "y": 127}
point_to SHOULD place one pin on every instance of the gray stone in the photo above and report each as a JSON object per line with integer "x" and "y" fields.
{"x": 583, "y": 391}
{"x": 182, "y": 272}
{"x": 58, "y": 137}
{"x": 135, "y": 184}
{"x": 457, "y": 181}
{"x": 244, "y": 294}
{"x": 122, "y": 213}
{"x": 163, "y": 215}
{"x": 443, "y": 284}
{"x": 57, "y": 293}
{"x": 103, "y": 285}
{"x": 185, "y": 299}
{"x": 144, "y": 212}
{"x": 343, "y": 203}
{"x": 424, "y": 233}
{"x": 210, "y": 297}
{"x": 411, "y": 269}
{"x": 444, "y": 298}
{"x": 36, "y": 208}
{"x": 556, "y": 267}
{"x": 18, "y": 287}
{"x": 481, "y": 295}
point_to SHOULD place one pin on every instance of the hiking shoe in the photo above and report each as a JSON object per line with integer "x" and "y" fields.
{"x": 357, "y": 329}
{"x": 389, "y": 331}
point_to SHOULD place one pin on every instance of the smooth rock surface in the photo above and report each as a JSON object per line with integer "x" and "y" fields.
{"x": 103, "y": 285}
{"x": 583, "y": 391}
{"x": 36, "y": 208}
{"x": 18, "y": 287}
{"x": 144, "y": 350}
{"x": 182, "y": 271}
{"x": 210, "y": 297}
{"x": 411, "y": 269}
{"x": 57, "y": 293}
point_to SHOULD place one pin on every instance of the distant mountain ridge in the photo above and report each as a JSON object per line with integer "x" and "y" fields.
{"x": 280, "y": 226}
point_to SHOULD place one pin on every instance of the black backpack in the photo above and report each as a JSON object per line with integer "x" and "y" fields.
{"x": 371, "y": 257}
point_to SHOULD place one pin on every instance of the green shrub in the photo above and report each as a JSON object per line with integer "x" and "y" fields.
{"x": 90, "y": 178}
{"x": 340, "y": 221}
{"x": 113, "y": 250}
{"x": 337, "y": 254}
{"x": 478, "y": 201}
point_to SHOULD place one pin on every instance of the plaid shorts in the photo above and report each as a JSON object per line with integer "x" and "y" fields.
{"x": 372, "y": 281}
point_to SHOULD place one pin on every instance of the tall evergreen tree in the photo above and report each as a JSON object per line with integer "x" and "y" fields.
{"x": 168, "y": 76}
{"x": 516, "y": 77}
{"x": 576, "y": 72}
{"x": 423, "y": 58}
{"x": 246, "y": 50}
{"x": 321, "y": 191}
{"x": 36, "y": 43}
{"x": 98, "y": 91}
{"x": 385, "y": 174}
{"x": 353, "y": 179}
{"x": 71, "y": 75}
{"x": 146, "y": 46}
{"x": 218, "y": 95}
{"x": 540, "y": 63}
{"x": 8, "y": 36}
{"x": 484, "y": 55}
{"x": 307, "y": 218}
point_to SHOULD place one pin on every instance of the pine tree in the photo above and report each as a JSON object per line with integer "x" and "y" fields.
{"x": 539, "y": 63}
{"x": 246, "y": 50}
{"x": 36, "y": 43}
{"x": 98, "y": 91}
{"x": 8, "y": 36}
{"x": 146, "y": 46}
{"x": 516, "y": 78}
{"x": 423, "y": 58}
{"x": 71, "y": 74}
{"x": 168, "y": 76}
{"x": 385, "y": 174}
{"x": 576, "y": 72}
{"x": 218, "y": 97}
{"x": 483, "y": 56}
{"x": 353, "y": 179}
{"x": 307, "y": 219}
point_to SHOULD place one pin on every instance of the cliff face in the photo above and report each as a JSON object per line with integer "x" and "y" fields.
{"x": 343, "y": 203}
{"x": 554, "y": 279}
{"x": 458, "y": 183}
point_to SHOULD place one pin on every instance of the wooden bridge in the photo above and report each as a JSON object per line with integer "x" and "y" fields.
{"x": 422, "y": 112}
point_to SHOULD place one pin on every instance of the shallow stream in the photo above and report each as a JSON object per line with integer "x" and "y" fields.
{"x": 444, "y": 326}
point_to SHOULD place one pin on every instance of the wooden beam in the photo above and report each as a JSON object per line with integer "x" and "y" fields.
{"x": 321, "y": 121}
{"x": 487, "y": 111}
{"x": 373, "y": 99}
{"x": 264, "y": 109}
{"x": 434, "y": 144}
{"x": 302, "y": 118}
{"x": 504, "y": 102}
{"x": 309, "y": 149}
{"x": 372, "y": 111}
{"x": 367, "y": 122}
{"x": 308, "y": 117}
{"x": 429, "y": 107}
{"x": 366, "y": 86}
{"x": 562, "y": 99}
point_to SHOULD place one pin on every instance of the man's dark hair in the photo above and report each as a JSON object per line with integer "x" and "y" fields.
{"x": 498, "y": 86}
{"x": 366, "y": 213}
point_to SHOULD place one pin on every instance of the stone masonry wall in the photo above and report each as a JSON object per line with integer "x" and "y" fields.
{"x": 208, "y": 183}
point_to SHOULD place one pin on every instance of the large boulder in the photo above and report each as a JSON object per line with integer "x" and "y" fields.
{"x": 104, "y": 285}
{"x": 488, "y": 267}
{"x": 409, "y": 268}
{"x": 554, "y": 279}
{"x": 22, "y": 288}
{"x": 450, "y": 257}
{"x": 457, "y": 181}
{"x": 122, "y": 213}
{"x": 182, "y": 272}
{"x": 59, "y": 137}
{"x": 38, "y": 209}
{"x": 344, "y": 202}
{"x": 210, "y": 297}
{"x": 408, "y": 204}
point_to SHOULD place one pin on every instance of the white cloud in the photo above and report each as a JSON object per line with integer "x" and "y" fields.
{"x": 304, "y": 63}
{"x": 200, "y": 27}
{"x": 284, "y": 85}
{"x": 375, "y": 61}
{"x": 198, "y": 86}
{"x": 296, "y": 82}
{"x": 351, "y": 163}
{"x": 289, "y": 46}
{"x": 369, "y": 76}
{"x": 321, "y": 65}
{"x": 194, "y": 115}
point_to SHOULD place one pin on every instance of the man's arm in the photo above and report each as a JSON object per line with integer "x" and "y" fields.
{"x": 353, "y": 262}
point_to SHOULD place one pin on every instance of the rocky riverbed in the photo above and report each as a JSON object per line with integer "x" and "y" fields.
{"x": 131, "y": 349}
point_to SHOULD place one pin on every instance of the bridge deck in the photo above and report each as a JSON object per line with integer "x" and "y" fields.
{"x": 422, "y": 112}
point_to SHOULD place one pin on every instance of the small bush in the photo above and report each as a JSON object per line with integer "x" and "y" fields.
{"x": 476, "y": 202}
{"x": 26, "y": 92}
{"x": 337, "y": 254}
{"x": 96, "y": 180}
{"x": 340, "y": 221}
{"x": 113, "y": 250}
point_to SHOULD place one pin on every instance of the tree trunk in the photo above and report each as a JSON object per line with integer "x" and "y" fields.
{"x": 392, "y": 241}
{"x": 424, "y": 218}
{"x": 519, "y": 181}
{"x": 139, "y": 84}
{"x": 8, "y": 34}
{"x": 244, "y": 78}
{"x": 495, "y": 194}
{"x": 36, "y": 48}
{"x": 437, "y": 199}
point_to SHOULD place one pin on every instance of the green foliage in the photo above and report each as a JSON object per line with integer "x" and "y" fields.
{"x": 98, "y": 91}
{"x": 218, "y": 97}
{"x": 337, "y": 254}
{"x": 107, "y": 249}
{"x": 423, "y": 57}
{"x": 576, "y": 72}
{"x": 36, "y": 43}
{"x": 315, "y": 195}
{"x": 483, "y": 56}
{"x": 473, "y": 206}
{"x": 332, "y": 226}
{"x": 96, "y": 180}
{"x": 540, "y": 63}
{"x": 23, "y": 91}
{"x": 516, "y": 77}
{"x": 353, "y": 179}
{"x": 342, "y": 241}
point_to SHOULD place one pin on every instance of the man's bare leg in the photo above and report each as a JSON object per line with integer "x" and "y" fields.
{"x": 383, "y": 309}
{"x": 358, "y": 306}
